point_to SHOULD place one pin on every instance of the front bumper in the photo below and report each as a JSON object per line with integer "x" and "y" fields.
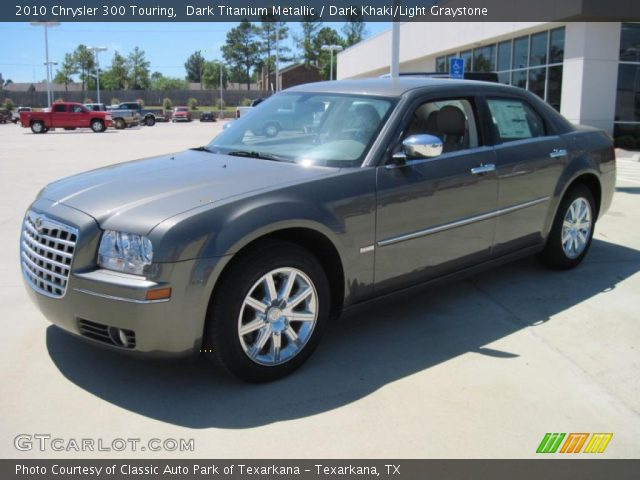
{"x": 161, "y": 328}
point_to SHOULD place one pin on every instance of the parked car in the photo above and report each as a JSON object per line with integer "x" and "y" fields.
{"x": 123, "y": 118}
{"x": 96, "y": 107}
{"x": 17, "y": 111}
{"x": 181, "y": 114}
{"x": 245, "y": 248}
{"x": 148, "y": 116}
{"x": 5, "y": 116}
{"x": 66, "y": 115}
{"x": 241, "y": 111}
{"x": 207, "y": 116}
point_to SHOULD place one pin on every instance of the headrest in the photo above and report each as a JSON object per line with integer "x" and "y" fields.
{"x": 451, "y": 121}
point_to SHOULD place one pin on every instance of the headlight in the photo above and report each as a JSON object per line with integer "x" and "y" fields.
{"x": 125, "y": 252}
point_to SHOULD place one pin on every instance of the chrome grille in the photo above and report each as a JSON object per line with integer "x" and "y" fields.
{"x": 46, "y": 253}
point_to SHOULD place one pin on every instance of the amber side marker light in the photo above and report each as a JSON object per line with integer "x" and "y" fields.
{"x": 158, "y": 294}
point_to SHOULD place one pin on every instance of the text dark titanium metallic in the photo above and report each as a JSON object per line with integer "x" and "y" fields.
{"x": 323, "y": 197}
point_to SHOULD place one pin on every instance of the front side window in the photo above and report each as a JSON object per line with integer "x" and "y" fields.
{"x": 77, "y": 109}
{"x": 452, "y": 121}
{"x": 514, "y": 120}
{"x": 308, "y": 128}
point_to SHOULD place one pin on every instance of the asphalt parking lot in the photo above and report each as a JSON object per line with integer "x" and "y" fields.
{"x": 481, "y": 368}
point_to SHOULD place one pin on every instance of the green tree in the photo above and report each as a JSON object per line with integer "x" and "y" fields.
{"x": 326, "y": 36}
{"x": 305, "y": 42}
{"x": 85, "y": 64}
{"x": 270, "y": 30}
{"x": 354, "y": 30}
{"x": 115, "y": 77}
{"x": 211, "y": 75}
{"x": 69, "y": 68}
{"x": 138, "y": 68}
{"x": 194, "y": 66}
{"x": 242, "y": 51}
{"x": 167, "y": 83}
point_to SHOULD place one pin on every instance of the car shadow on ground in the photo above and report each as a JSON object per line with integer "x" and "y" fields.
{"x": 358, "y": 355}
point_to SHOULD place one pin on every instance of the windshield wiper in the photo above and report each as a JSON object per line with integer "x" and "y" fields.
{"x": 202, "y": 149}
{"x": 261, "y": 155}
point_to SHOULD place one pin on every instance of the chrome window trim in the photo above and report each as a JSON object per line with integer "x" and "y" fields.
{"x": 460, "y": 223}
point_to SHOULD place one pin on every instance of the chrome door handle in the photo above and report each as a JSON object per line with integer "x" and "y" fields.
{"x": 558, "y": 152}
{"x": 485, "y": 168}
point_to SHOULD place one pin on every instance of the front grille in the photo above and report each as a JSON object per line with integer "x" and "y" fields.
{"x": 118, "y": 337}
{"x": 46, "y": 253}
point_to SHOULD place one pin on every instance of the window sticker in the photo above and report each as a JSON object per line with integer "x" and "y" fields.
{"x": 511, "y": 119}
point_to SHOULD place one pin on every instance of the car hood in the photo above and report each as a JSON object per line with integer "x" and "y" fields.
{"x": 136, "y": 196}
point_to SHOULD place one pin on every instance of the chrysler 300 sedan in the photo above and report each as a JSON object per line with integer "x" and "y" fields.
{"x": 246, "y": 247}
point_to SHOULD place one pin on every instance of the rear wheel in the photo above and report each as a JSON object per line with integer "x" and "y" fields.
{"x": 269, "y": 313}
{"x": 97, "y": 126}
{"x": 572, "y": 230}
{"x": 37, "y": 127}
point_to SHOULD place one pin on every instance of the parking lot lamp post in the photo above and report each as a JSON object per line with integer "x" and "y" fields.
{"x": 46, "y": 26}
{"x": 95, "y": 51}
{"x": 331, "y": 49}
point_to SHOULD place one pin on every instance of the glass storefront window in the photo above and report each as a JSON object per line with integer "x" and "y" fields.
{"x": 467, "y": 60}
{"x": 554, "y": 86}
{"x": 484, "y": 59}
{"x": 504, "y": 77}
{"x": 504, "y": 56}
{"x": 537, "y": 77}
{"x": 441, "y": 64}
{"x": 520, "y": 52}
{"x": 630, "y": 42}
{"x": 556, "y": 45}
{"x": 519, "y": 78}
{"x": 628, "y": 97}
{"x": 538, "y": 49}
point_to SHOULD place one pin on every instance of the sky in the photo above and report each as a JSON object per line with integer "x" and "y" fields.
{"x": 167, "y": 45}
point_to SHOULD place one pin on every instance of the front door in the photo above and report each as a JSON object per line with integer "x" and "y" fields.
{"x": 436, "y": 216}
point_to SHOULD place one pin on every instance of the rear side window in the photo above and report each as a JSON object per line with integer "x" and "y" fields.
{"x": 514, "y": 120}
{"x": 59, "y": 108}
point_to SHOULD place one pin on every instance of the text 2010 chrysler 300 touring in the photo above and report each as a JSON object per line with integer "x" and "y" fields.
{"x": 247, "y": 246}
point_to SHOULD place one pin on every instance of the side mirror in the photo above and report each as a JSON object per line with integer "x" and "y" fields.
{"x": 422, "y": 146}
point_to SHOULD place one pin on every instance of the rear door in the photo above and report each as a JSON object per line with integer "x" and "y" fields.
{"x": 529, "y": 162}
{"x": 60, "y": 116}
{"x": 435, "y": 216}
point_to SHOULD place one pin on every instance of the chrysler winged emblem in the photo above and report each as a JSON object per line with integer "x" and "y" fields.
{"x": 38, "y": 223}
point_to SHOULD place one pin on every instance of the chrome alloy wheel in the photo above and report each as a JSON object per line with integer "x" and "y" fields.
{"x": 278, "y": 316}
{"x": 576, "y": 227}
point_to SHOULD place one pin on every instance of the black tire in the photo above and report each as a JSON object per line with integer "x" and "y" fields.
{"x": 97, "y": 126}
{"x": 38, "y": 127}
{"x": 222, "y": 339}
{"x": 149, "y": 121}
{"x": 554, "y": 254}
{"x": 271, "y": 129}
{"x": 120, "y": 124}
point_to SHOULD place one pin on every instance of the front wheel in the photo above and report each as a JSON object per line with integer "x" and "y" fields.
{"x": 149, "y": 121}
{"x": 572, "y": 230}
{"x": 120, "y": 124}
{"x": 269, "y": 313}
{"x": 37, "y": 127}
{"x": 97, "y": 126}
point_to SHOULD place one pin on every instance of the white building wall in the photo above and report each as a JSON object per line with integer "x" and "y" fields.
{"x": 590, "y": 73}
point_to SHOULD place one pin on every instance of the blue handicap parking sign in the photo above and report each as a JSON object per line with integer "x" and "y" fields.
{"x": 456, "y": 68}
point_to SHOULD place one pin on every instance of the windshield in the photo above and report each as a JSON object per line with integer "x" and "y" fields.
{"x": 308, "y": 128}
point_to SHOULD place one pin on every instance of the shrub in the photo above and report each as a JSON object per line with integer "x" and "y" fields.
{"x": 88, "y": 100}
{"x": 141, "y": 102}
{"x": 192, "y": 103}
{"x": 166, "y": 103}
{"x": 8, "y": 104}
{"x": 60, "y": 99}
{"x": 220, "y": 104}
{"x": 246, "y": 102}
{"x": 115, "y": 101}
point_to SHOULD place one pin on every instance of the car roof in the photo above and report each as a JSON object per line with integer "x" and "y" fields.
{"x": 392, "y": 87}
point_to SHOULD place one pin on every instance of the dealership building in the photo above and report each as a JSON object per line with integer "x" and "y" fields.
{"x": 589, "y": 71}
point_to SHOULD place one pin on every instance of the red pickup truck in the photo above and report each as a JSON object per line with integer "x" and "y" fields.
{"x": 66, "y": 115}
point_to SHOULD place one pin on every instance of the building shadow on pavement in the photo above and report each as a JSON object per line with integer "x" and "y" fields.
{"x": 358, "y": 355}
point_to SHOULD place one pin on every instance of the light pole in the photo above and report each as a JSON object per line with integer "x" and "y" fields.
{"x": 95, "y": 51}
{"x": 331, "y": 48}
{"x": 46, "y": 26}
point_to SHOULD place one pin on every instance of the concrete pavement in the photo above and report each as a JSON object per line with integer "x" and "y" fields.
{"x": 481, "y": 368}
